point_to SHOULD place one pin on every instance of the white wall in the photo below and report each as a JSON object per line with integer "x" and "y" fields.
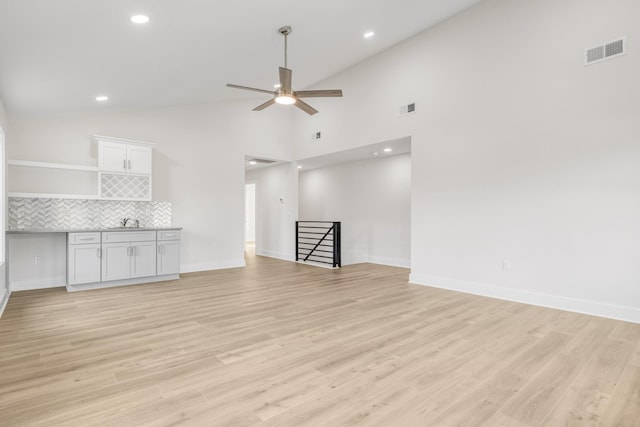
{"x": 276, "y": 209}
{"x": 4, "y": 290}
{"x": 520, "y": 152}
{"x": 51, "y": 269}
{"x": 372, "y": 199}
{"x": 198, "y": 163}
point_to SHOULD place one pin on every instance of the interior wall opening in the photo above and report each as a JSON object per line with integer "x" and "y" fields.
{"x": 367, "y": 189}
{"x": 250, "y": 214}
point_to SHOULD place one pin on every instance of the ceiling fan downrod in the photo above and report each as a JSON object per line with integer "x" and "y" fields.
{"x": 285, "y": 31}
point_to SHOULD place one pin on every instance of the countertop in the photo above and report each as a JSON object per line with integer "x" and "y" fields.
{"x": 90, "y": 230}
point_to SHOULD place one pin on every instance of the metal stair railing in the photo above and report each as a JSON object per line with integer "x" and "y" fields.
{"x": 318, "y": 242}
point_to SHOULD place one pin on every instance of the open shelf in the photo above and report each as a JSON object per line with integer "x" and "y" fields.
{"x": 29, "y": 163}
{"x": 52, "y": 195}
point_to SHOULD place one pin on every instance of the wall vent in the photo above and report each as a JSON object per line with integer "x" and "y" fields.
{"x": 262, "y": 161}
{"x": 408, "y": 109}
{"x": 605, "y": 51}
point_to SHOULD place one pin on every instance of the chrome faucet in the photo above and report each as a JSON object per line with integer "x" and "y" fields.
{"x": 125, "y": 221}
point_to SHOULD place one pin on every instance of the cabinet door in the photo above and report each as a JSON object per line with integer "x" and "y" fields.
{"x": 143, "y": 259}
{"x": 83, "y": 264}
{"x": 116, "y": 261}
{"x": 113, "y": 157}
{"x": 168, "y": 257}
{"x": 139, "y": 159}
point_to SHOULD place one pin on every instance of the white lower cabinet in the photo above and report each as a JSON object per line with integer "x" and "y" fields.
{"x": 121, "y": 257}
{"x": 83, "y": 255}
{"x": 168, "y": 252}
{"x": 128, "y": 255}
{"x": 116, "y": 264}
{"x": 143, "y": 259}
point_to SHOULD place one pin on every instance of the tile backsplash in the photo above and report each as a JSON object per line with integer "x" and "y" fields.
{"x": 55, "y": 214}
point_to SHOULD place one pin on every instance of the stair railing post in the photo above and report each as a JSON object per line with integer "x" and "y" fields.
{"x": 339, "y": 244}
{"x": 297, "y": 240}
{"x": 337, "y": 247}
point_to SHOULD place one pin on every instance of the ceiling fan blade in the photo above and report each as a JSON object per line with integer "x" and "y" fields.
{"x": 265, "y": 105}
{"x": 250, "y": 88}
{"x": 305, "y": 107}
{"x": 285, "y": 79}
{"x": 319, "y": 93}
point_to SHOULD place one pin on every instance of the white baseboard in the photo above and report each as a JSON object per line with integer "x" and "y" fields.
{"x": 317, "y": 264}
{"x": 204, "y": 266}
{"x": 391, "y": 262}
{"x": 30, "y": 285}
{"x": 275, "y": 254}
{"x": 124, "y": 282}
{"x": 351, "y": 260}
{"x": 593, "y": 308}
{"x": 4, "y": 299}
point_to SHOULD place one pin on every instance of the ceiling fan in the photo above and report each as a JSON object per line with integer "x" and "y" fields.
{"x": 284, "y": 94}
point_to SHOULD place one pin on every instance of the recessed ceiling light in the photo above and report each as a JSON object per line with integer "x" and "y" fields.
{"x": 388, "y": 150}
{"x": 139, "y": 19}
{"x": 369, "y": 34}
{"x": 299, "y": 167}
{"x": 375, "y": 153}
{"x": 102, "y": 98}
{"x": 253, "y": 162}
{"x": 276, "y": 86}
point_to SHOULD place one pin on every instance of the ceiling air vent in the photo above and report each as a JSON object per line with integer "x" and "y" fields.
{"x": 606, "y": 51}
{"x": 262, "y": 161}
{"x": 408, "y": 109}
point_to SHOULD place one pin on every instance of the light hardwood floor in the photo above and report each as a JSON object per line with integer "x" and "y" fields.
{"x": 283, "y": 344}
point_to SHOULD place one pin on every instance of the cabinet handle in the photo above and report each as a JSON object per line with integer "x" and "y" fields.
{"x": 168, "y": 235}
{"x": 129, "y": 164}
{"x": 85, "y": 238}
{"x": 99, "y": 252}
{"x": 124, "y": 164}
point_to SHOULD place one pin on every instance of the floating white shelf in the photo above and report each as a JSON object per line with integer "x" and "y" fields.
{"x": 29, "y": 163}
{"x": 53, "y": 196}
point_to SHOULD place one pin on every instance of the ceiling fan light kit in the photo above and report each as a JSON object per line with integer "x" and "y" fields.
{"x": 285, "y": 98}
{"x": 284, "y": 94}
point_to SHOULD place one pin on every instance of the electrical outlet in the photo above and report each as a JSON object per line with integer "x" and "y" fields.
{"x": 36, "y": 260}
{"x": 506, "y": 265}
{"x": 316, "y": 135}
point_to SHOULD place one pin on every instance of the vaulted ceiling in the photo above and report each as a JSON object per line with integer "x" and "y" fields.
{"x": 57, "y": 56}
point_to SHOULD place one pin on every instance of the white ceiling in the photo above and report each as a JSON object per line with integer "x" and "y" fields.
{"x": 377, "y": 150}
{"x": 368, "y": 152}
{"x": 57, "y": 56}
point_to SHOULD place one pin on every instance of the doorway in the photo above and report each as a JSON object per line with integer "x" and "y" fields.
{"x": 250, "y": 216}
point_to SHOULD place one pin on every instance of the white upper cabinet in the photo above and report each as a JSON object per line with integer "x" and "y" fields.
{"x": 124, "y": 169}
{"x": 139, "y": 159}
{"x": 112, "y": 157}
{"x": 124, "y": 157}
